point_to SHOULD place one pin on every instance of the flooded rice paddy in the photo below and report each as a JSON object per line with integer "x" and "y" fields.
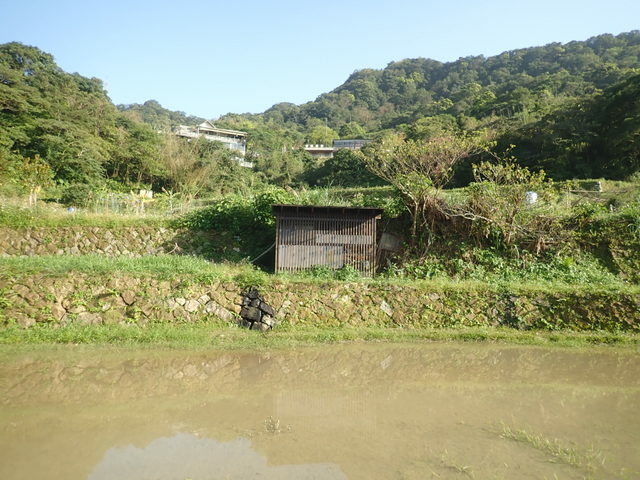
{"x": 356, "y": 411}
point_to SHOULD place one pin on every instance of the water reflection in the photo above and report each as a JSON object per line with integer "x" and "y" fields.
{"x": 344, "y": 411}
{"x": 187, "y": 456}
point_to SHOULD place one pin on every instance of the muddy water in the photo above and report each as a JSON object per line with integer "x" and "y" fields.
{"x": 334, "y": 412}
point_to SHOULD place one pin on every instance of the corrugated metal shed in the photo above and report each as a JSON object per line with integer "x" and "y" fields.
{"x": 308, "y": 236}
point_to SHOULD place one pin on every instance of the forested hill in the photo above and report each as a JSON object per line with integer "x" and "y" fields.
{"x": 157, "y": 116}
{"x": 65, "y": 120}
{"x": 572, "y": 109}
{"x": 61, "y": 129}
{"x": 559, "y": 104}
{"x": 531, "y": 81}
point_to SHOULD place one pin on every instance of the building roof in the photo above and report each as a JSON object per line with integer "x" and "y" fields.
{"x": 207, "y": 125}
{"x": 283, "y": 209}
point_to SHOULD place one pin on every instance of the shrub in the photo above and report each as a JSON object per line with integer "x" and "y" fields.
{"x": 248, "y": 219}
{"x": 77, "y": 195}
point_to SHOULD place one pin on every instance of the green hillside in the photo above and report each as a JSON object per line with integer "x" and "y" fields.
{"x": 61, "y": 130}
{"x": 531, "y": 81}
{"x": 152, "y": 113}
{"x": 560, "y": 104}
{"x": 570, "y": 109}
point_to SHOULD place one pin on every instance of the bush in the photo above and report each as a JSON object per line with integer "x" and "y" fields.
{"x": 262, "y": 203}
{"x": 15, "y": 216}
{"x": 251, "y": 277}
{"x": 248, "y": 219}
{"x": 77, "y": 195}
{"x": 346, "y": 273}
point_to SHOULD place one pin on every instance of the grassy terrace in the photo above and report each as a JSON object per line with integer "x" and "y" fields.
{"x": 15, "y": 216}
{"x": 203, "y": 335}
{"x": 462, "y": 268}
{"x": 566, "y": 279}
{"x": 211, "y": 335}
{"x": 166, "y": 266}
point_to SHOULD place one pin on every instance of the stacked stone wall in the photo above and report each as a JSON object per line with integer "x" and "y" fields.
{"x": 79, "y": 298}
{"x": 116, "y": 241}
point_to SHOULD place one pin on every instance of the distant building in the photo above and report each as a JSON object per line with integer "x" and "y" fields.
{"x": 321, "y": 151}
{"x": 232, "y": 139}
{"x": 355, "y": 144}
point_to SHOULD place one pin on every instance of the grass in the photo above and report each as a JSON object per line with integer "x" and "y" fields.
{"x": 218, "y": 335}
{"x": 157, "y": 265}
{"x": 455, "y": 466}
{"x": 14, "y": 215}
{"x": 245, "y": 274}
{"x": 588, "y": 459}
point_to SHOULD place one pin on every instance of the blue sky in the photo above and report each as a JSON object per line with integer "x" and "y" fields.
{"x": 208, "y": 58}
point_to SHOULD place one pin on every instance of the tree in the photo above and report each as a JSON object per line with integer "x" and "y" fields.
{"x": 321, "y": 134}
{"x": 33, "y": 174}
{"x": 137, "y": 159}
{"x": 275, "y": 153}
{"x": 616, "y": 146}
{"x": 281, "y": 167}
{"x": 346, "y": 168}
{"x": 352, "y": 130}
{"x": 194, "y": 167}
{"x": 594, "y": 136}
{"x": 419, "y": 169}
{"x": 499, "y": 208}
{"x": 433, "y": 127}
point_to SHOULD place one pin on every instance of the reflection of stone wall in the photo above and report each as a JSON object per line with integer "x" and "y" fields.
{"x": 125, "y": 241}
{"x": 108, "y": 376}
{"x": 125, "y": 298}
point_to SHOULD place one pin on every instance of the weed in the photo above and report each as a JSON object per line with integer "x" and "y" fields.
{"x": 455, "y": 466}
{"x": 589, "y": 459}
{"x": 251, "y": 277}
{"x": 272, "y": 426}
{"x": 4, "y": 301}
{"x": 218, "y": 334}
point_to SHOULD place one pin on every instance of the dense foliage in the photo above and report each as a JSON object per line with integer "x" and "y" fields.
{"x": 571, "y": 109}
{"x": 62, "y": 128}
{"x": 159, "y": 118}
{"x": 594, "y": 136}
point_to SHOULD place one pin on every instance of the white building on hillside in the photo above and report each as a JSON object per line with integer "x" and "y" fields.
{"x": 233, "y": 139}
{"x": 322, "y": 151}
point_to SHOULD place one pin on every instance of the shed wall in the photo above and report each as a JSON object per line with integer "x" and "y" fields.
{"x": 307, "y": 240}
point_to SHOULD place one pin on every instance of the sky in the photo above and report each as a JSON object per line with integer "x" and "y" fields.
{"x": 208, "y": 58}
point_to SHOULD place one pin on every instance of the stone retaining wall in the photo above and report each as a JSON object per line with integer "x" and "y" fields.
{"x": 126, "y": 241}
{"x": 79, "y": 298}
{"x": 84, "y": 299}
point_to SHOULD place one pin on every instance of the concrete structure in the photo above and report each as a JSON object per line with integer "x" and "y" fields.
{"x": 353, "y": 144}
{"x": 319, "y": 151}
{"x": 232, "y": 139}
{"x": 322, "y": 151}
